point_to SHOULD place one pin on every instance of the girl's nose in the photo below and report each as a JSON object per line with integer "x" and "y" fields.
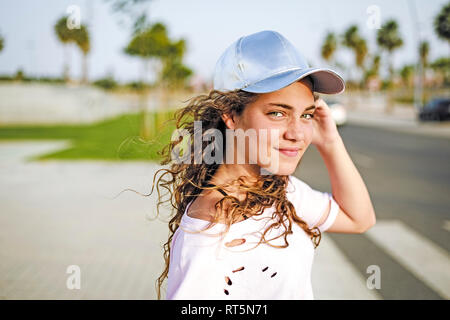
{"x": 294, "y": 130}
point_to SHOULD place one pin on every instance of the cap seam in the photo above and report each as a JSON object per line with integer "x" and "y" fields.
{"x": 238, "y": 55}
{"x": 285, "y": 48}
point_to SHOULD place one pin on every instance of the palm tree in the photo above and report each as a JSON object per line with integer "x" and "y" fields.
{"x": 152, "y": 43}
{"x": 361, "y": 53}
{"x": 2, "y": 42}
{"x": 441, "y": 67}
{"x": 353, "y": 41}
{"x": 376, "y": 64}
{"x": 66, "y": 36}
{"x": 174, "y": 72}
{"x": 424, "y": 51}
{"x": 78, "y": 36}
{"x": 83, "y": 43}
{"x": 329, "y": 47}
{"x": 351, "y": 37}
{"x": 373, "y": 72}
{"x": 407, "y": 73}
{"x": 388, "y": 38}
{"x": 442, "y": 23}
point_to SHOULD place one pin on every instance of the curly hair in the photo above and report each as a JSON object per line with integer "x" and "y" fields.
{"x": 186, "y": 181}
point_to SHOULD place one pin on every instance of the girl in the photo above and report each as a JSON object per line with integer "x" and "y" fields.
{"x": 244, "y": 227}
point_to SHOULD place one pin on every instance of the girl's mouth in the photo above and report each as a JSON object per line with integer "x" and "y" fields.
{"x": 289, "y": 152}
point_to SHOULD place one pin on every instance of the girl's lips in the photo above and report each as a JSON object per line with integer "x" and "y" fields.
{"x": 289, "y": 153}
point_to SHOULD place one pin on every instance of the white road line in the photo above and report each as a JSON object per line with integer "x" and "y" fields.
{"x": 423, "y": 258}
{"x": 334, "y": 276}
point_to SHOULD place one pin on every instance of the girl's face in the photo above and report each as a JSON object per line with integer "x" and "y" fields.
{"x": 290, "y": 111}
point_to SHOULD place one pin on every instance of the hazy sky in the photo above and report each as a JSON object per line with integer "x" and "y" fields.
{"x": 209, "y": 26}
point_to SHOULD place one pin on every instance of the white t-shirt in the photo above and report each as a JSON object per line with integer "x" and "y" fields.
{"x": 202, "y": 267}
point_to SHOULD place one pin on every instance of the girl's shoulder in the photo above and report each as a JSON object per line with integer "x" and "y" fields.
{"x": 296, "y": 182}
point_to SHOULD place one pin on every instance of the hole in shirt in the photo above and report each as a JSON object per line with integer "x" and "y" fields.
{"x": 226, "y": 291}
{"x": 273, "y": 275}
{"x": 235, "y": 242}
{"x": 239, "y": 269}
{"x": 263, "y": 270}
{"x": 228, "y": 281}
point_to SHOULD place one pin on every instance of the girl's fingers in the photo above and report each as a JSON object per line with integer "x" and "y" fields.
{"x": 321, "y": 103}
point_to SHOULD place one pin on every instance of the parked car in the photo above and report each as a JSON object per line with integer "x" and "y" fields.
{"x": 338, "y": 111}
{"x": 436, "y": 110}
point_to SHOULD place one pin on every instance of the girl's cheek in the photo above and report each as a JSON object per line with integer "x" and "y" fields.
{"x": 308, "y": 135}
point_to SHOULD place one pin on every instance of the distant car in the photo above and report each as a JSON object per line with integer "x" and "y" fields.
{"x": 338, "y": 111}
{"x": 436, "y": 110}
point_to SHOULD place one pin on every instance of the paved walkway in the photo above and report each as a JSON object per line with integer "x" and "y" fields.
{"x": 57, "y": 214}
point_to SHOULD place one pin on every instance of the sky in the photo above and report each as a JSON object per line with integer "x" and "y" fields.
{"x": 209, "y": 27}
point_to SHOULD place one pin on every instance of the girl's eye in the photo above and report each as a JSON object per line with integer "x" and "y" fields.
{"x": 276, "y": 112}
{"x": 307, "y": 115}
{"x": 311, "y": 115}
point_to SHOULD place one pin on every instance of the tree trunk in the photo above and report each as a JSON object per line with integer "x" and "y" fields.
{"x": 146, "y": 126}
{"x": 84, "y": 70}
{"x": 148, "y": 123}
{"x": 66, "y": 68}
{"x": 389, "y": 95}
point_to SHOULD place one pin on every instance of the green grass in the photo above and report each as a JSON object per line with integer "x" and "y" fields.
{"x": 114, "y": 139}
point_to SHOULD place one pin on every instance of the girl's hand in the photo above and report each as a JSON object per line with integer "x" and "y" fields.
{"x": 325, "y": 129}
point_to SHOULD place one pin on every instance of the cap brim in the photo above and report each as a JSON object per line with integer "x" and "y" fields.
{"x": 325, "y": 81}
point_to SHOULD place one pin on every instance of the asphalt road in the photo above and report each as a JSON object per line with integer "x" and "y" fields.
{"x": 408, "y": 178}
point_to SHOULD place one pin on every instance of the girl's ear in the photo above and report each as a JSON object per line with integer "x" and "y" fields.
{"x": 228, "y": 119}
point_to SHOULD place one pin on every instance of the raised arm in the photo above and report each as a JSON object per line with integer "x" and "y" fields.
{"x": 356, "y": 213}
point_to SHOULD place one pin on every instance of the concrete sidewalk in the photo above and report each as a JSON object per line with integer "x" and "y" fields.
{"x": 57, "y": 214}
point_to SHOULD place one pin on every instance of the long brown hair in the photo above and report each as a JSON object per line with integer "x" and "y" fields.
{"x": 185, "y": 181}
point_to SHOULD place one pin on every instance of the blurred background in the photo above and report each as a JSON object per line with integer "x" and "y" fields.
{"x": 87, "y": 89}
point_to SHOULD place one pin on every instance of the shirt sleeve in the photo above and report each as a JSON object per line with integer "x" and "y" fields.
{"x": 310, "y": 204}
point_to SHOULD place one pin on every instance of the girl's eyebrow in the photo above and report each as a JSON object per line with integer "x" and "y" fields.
{"x": 289, "y": 107}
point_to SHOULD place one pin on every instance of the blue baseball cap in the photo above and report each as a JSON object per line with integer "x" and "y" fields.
{"x": 265, "y": 62}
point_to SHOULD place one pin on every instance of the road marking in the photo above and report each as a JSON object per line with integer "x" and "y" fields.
{"x": 335, "y": 277}
{"x": 423, "y": 258}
